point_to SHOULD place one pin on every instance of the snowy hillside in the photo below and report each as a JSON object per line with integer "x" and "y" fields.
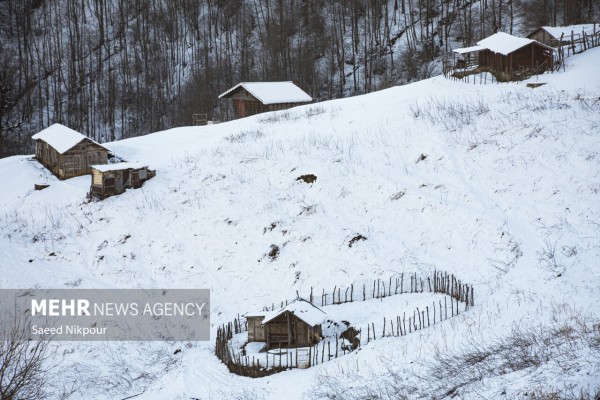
{"x": 499, "y": 184}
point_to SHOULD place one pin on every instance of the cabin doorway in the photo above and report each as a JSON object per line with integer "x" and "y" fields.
{"x": 241, "y": 108}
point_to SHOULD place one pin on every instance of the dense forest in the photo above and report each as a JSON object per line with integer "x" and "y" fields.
{"x": 120, "y": 68}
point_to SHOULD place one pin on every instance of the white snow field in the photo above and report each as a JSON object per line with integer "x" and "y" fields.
{"x": 498, "y": 184}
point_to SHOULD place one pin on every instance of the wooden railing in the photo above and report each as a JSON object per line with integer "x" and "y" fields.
{"x": 200, "y": 119}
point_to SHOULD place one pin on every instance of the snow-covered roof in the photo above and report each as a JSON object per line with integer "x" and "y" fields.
{"x": 60, "y": 137}
{"x": 468, "y": 49}
{"x": 501, "y": 43}
{"x": 273, "y": 92}
{"x": 301, "y": 309}
{"x": 256, "y": 314}
{"x": 558, "y": 31}
{"x": 119, "y": 166}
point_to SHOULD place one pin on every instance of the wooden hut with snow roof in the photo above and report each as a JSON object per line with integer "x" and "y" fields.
{"x": 564, "y": 35}
{"x": 508, "y": 57}
{"x": 112, "y": 179}
{"x": 67, "y": 153}
{"x": 296, "y": 325}
{"x": 250, "y": 98}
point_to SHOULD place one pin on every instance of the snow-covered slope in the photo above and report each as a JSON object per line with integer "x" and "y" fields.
{"x": 499, "y": 184}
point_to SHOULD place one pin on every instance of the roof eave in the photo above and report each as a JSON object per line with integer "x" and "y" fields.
{"x": 535, "y": 42}
{"x": 293, "y": 313}
{"x": 231, "y": 90}
{"x": 85, "y": 138}
{"x": 541, "y": 28}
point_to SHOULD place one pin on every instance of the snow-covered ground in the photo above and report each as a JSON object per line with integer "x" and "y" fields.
{"x": 498, "y": 184}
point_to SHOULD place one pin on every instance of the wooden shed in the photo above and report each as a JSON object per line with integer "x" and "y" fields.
{"x": 112, "y": 179}
{"x": 509, "y": 57}
{"x": 564, "y": 35}
{"x": 67, "y": 153}
{"x": 296, "y": 325}
{"x": 250, "y": 98}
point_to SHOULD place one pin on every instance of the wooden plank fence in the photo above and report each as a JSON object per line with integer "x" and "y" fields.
{"x": 440, "y": 282}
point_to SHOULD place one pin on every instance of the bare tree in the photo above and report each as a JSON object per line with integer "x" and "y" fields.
{"x": 25, "y": 365}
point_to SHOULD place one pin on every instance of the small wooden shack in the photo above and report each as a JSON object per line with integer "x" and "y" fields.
{"x": 112, "y": 179}
{"x": 564, "y": 35}
{"x": 508, "y": 57}
{"x": 250, "y": 98}
{"x": 296, "y": 325}
{"x": 67, "y": 153}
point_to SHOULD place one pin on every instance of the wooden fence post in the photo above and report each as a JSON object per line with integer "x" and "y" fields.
{"x": 446, "y": 307}
{"x": 402, "y": 283}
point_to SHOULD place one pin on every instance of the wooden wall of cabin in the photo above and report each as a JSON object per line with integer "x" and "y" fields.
{"x": 113, "y": 182}
{"x": 74, "y": 162}
{"x": 256, "y": 332}
{"x": 531, "y": 56}
{"x": 47, "y": 156}
{"x": 283, "y": 106}
{"x": 247, "y": 108}
{"x": 277, "y": 331}
{"x": 544, "y": 37}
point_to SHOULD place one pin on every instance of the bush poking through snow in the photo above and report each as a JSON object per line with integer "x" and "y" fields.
{"x": 348, "y": 382}
{"x": 30, "y": 369}
{"x": 308, "y": 178}
{"x": 570, "y": 344}
{"x": 356, "y": 239}
{"x": 244, "y": 136}
{"x": 270, "y": 227}
{"x": 452, "y": 114}
{"x": 314, "y": 110}
{"x": 398, "y": 195}
{"x": 273, "y": 253}
{"x": 564, "y": 346}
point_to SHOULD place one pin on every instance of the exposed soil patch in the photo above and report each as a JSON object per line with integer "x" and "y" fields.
{"x": 270, "y": 227}
{"x": 273, "y": 253}
{"x": 422, "y": 157}
{"x": 124, "y": 239}
{"x": 356, "y": 239}
{"x": 309, "y": 178}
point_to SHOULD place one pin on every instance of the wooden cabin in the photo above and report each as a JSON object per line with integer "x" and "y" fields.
{"x": 564, "y": 35}
{"x": 508, "y": 57}
{"x": 296, "y": 325}
{"x": 112, "y": 179}
{"x": 67, "y": 153}
{"x": 250, "y": 98}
